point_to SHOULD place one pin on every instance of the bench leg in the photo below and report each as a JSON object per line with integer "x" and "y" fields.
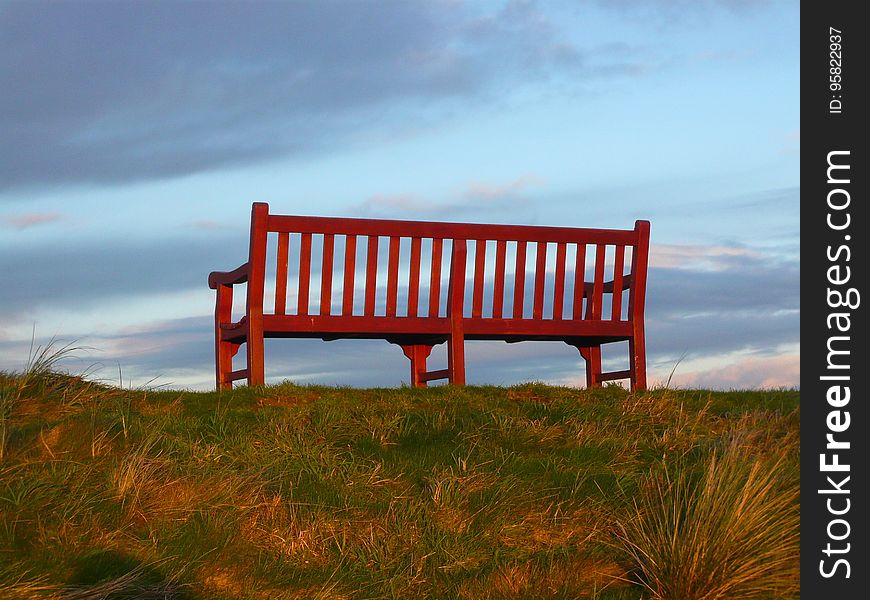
{"x": 417, "y": 353}
{"x": 456, "y": 359}
{"x": 223, "y": 362}
{"x": 592, "y": 354}
{"x": 256, "y": 369}
{"x": 223, "y": 349}
{"x": 637, "y": 352}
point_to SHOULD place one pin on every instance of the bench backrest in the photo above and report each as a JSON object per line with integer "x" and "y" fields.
{"x": 415, "y": 268}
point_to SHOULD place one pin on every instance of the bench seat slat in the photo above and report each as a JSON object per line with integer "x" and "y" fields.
{"x": 385, "y": 327}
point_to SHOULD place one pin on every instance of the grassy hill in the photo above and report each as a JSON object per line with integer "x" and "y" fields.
{"x": 314, "y": 492}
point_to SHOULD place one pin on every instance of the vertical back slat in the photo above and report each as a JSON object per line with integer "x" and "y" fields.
{"x": 598, "y": 283}
{"x": 414, "y": 278}
{"x": 520, "y": 279}
{"x": 435, "y": 278}
{"x": 618, "y": 266}
{"x": 579, "y": 281}
{"x": 326, "y": 274}
{"x": 349, "y": 272}
{"x": 559, "y": 286}
{"x": 479, "y": 269}
{"x": 498, "y": 284}
{"x": 281, "y": 274}
{"x": 393, "y": 276}
{"x": 540, "y": 272}
{"x": 456, "y": 289}
{"x": 371, "y": 275}
{"x": 304, "y": 273}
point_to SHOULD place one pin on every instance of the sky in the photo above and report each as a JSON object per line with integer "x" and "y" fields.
{"x": 135, "y": 136}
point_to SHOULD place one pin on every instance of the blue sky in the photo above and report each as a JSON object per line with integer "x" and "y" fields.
{"x": 135, "y": 137}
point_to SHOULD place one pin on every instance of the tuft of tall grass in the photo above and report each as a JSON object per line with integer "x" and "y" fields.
{"x": 38, "y": 379}
{"x": 141, "y": 583}
{"x": 731, "y": 531}
{"x": 135, "y": 471}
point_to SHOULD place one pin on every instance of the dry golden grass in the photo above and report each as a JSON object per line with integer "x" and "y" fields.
{"x": 732, "y": 532}
{"x": 288, "y": 529}
{"x": 573, "y": 578}
{"x": 548, "y": 527}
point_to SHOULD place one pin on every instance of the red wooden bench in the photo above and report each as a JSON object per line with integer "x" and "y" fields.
{"x": 375, "y": 260}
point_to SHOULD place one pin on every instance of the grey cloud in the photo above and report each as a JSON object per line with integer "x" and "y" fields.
{"x": 751, "y": 285}
{"x": 671, "y": 337}
{"x": 77, "y": 275}
{"x": 776, "y": 199}
{"x": 674, "y": 10}
{"x": 119, "y": 91}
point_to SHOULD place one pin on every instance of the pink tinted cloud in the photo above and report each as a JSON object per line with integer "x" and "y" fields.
{"x": 697, "y": 257}
{"x": 754, "y": 373}
{"x": 475, "y": 196}
{"x": 488, "y": 191}
{"x": 28, "y": 220}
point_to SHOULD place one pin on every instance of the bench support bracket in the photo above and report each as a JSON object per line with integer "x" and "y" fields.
{"x": 417, "y": 354}
{"x": 592, "y": 355}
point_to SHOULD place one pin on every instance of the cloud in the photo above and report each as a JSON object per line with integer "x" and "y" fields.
{"x": 488, "y": 192}
{"x": 29, "y": 220}
{"x": 674, "y": 10}
{"x": 697, "y": 257}
{"x": 754, "y": 372}
{"x": 79, "y": 275}
{"x": 746, "y": 285}
{"x": 122, "y": 91}
{"x": 478, "y": 197}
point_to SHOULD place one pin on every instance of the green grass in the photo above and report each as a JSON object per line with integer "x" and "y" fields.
{"x": 294, "y": 491}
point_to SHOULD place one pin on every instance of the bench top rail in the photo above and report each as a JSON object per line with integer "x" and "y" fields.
{"x": 442, "y": 230}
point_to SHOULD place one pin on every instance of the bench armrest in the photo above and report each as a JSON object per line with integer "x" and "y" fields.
{"x": 608, "y": 285}
{"x": 216, "y": 278}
